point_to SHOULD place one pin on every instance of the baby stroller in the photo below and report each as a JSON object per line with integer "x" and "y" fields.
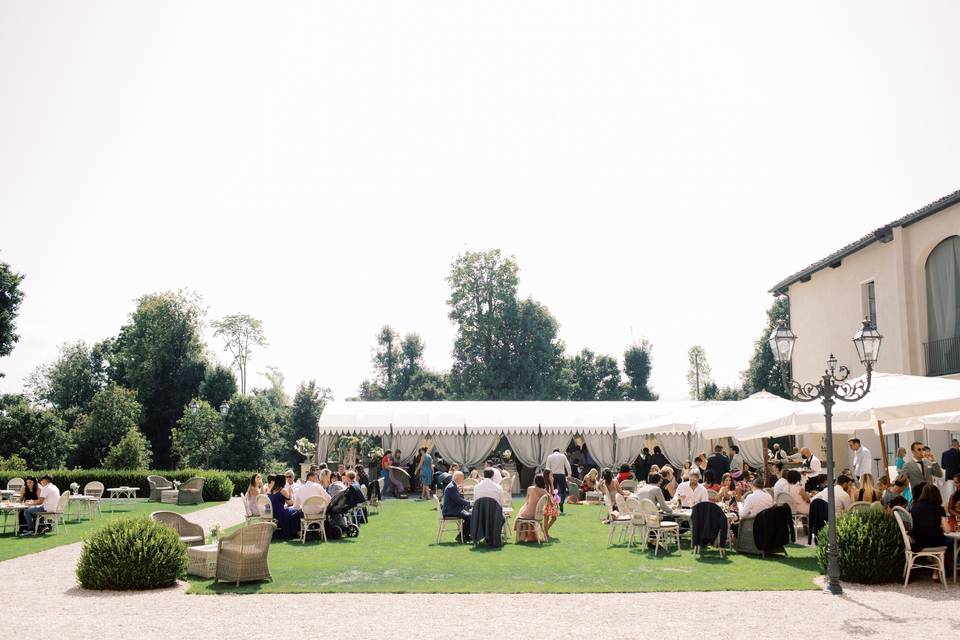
{"x": 337, "y": 522}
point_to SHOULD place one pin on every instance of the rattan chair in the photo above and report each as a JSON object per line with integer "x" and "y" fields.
{"x": 535, "y": 523}
{"x": 191, "y": 491}
{"x": 53, "y": 519}
{"x": 191, "y": 534}
{"x": 158, "y": 484}
{"x": 242, "y": 555}
{"x": 15, "y": 484}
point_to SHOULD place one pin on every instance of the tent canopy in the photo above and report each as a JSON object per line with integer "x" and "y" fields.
{"x": 490, "y": 417}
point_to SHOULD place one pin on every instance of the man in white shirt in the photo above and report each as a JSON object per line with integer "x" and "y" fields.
{"x": 842, "y": 498}
{"x": 692, "y": 492}
{"x": 559, "y": 465}
{"x": 309, "y": 489}
{"x": 736, "y": 460}
{"x": 812, "y": 468}
{"x": 780, "y": 486}
{"x": 756, "y": 501}
{"x": 860, "y": 461}
{"x": 49, "y": 496}
{"x": 488, "y": 488}
{"x": 488, "y": 466}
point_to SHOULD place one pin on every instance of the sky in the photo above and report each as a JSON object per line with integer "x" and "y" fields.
{"x": 654, "y": 167}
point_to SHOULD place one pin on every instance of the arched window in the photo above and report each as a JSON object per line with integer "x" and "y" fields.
{"x": 943, "y": 308}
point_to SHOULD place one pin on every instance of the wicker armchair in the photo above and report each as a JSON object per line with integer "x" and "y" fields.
{"x": 190, "y": 534}
{"x": 242, "y": 555}
{"x": 158, "y": 484}
{"x": 191, "y": 492}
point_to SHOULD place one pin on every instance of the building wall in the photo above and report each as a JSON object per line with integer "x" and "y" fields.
{"x": 826, "y": 312}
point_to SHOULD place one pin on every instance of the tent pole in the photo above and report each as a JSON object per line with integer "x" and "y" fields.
{"x": 464, "y": 461}
{"x": 615, "y": 459}
{"x": 883, "y": 449}
{"x": 539, "y": 446}
{"x": 763, "y": 457}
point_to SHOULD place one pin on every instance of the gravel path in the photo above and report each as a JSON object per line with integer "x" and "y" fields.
{"x": 71, "y": 612}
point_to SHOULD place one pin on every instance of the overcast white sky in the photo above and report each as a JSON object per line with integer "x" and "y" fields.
{"x": 654, "y": 167}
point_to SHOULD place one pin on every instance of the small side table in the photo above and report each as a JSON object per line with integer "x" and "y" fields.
{"x": 169, "y": 496}
{"x": 203, "y": 560}
{"x": 955, "y": 536}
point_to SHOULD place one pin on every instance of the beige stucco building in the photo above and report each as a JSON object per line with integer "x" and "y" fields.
{"x": 905, "y": 276}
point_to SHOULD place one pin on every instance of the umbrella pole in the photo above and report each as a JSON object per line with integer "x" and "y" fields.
{"x": 883, "y": 449}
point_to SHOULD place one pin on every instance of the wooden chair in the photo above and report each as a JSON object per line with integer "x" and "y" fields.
{"x": 373, "y": 502}
{"x": 314, "y": 511}
{"x": 242, "y": 555}
{"x": 658, "y": 529}
{"x": 535, "y": 523}
{"x": 933, "y": 558}
{"x": 191, "y": 534}
{"x": 15, "y": 484}
{"x": 467, "y": 488}
{"x": 53, "y": 519}
{"x": 158, "y": 484}
{"x": 443, "y": 522}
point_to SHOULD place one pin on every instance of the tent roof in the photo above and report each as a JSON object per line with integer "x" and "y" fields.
{"x": 378, "y": 418}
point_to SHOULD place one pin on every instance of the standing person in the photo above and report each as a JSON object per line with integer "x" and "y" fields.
{"x": 718, "y": 463}
{"x": 921, "y": 469}
{"x": 814, "y": 470}
{"x": 641, "y": 465}
{"x": 860, "y": 460}
{"x": 550, "y": 513}
{"x": 950, "y": 460}
{"x": 736, "y": 460}
{"x": 48, "y": 498}
{"x": 658, "y": 459}
{"x": 559, "y": 468}
{"x": 425, "y": 473}
{"x": 385, "y": 463}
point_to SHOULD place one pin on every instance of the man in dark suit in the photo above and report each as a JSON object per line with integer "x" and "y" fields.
{"x": 718, "y": 463}
{"x": 950, "y": 460}
{"x": 454, "y": 504}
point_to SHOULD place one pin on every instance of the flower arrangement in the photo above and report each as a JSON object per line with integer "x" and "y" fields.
{"x": 305, "y": 448}
{"x": 507, "y": 455}
{"x": 176, "y": 485}
{"x": 216, "y": 529}
{"x": 375, "y": 454}
{"x": 74, "y": 488}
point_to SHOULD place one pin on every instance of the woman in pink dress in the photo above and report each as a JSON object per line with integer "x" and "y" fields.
{"x": 801, "y": 499}
{"x": 551, "y": 512}
{"x": 529, "y": 509}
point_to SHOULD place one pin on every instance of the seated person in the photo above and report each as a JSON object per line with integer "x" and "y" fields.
{"x": 309, "y": 489}
{"x": 529, "y": 509}
{"x": 801, "y": 499}
{"x": 350, "y": 480}
{"x": 488, "y": 487}
{"x": 668, "y": 483}
{"x": 651, "y": 491}
{"x": 624, "y": 473}
{"x": 30, "y": 496}
{"x": 336, "y": 484}
{"x": 454, "y": 504}
{"x": 841, "y": 492}
{"x": 288, "y": 518}
{"x": 953, "y": 510}
{"x": 868, "y": 491}
{"x": 47, "y": 500}
{"x": 898, "y": 488}
{"x": 898, "y": 504}
{"x": 928, "y": 520}
{"x": 781, "y": 485}
{"x": 729, "y": 491}
{"x": 497, "y": 476}
{"x": 756, "y": 501}
{"x": 692, "y": 492}
{"x": 589, "y": 483}
{"x": 710, "y": 480}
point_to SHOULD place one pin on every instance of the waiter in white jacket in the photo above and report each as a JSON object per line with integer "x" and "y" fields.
{"x": 860, "y": 461}
{"x": 559, "y": 466}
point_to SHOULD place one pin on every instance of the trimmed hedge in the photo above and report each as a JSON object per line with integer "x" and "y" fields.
{"x": 869, "y": 547}
{"x": 132, "y": 553}
{"x": 219, "y": 485}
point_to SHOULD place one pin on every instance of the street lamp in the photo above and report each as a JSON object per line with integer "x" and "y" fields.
{"x": 225, "y": 409}
{"x": 194, "y": 407}
{"x": 831, "y": 387}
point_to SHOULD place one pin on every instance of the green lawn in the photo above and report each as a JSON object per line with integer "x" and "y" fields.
{"x": 14, "y": 547}
{"x": 396, "y": 553}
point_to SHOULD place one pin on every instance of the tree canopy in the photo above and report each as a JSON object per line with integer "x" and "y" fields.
{"x": 763, "y": 371}
{"x": 10, "y": 298}
{"x": 240, "y": 333}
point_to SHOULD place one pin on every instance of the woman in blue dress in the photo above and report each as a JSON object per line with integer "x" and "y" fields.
{"x": 288, "y": 518}
{"x": 426, "y": 474}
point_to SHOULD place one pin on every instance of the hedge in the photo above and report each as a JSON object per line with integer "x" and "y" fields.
{"x": 219, "y": 485}
{"x": 869, "y": 544}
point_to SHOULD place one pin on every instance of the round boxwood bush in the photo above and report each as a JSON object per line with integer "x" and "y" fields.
{"x": 132, "y": 553}
{"x": 869, "y": 544}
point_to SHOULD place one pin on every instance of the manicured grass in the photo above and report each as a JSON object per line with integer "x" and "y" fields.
{"x": 396, "y": 553}
{"x": 14, "y": 547}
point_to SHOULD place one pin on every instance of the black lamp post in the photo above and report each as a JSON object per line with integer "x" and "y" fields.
{"x": 831, "y": 387}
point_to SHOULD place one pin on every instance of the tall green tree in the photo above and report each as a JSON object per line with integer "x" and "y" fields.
{"x": 70, "y": 382}
{"x": 131, "y": 452}
{"x": 411, "y": 363}
{"x": 160, "y": 355}
{"x": 275, "y": 405}
{"x": 308, "y": 403}
{"x": 32, "y": 433}
{"x": 198, "y": 438}
{"x": 637, "y": 365}
{"x": 218, "y": 386}
{"x": 698, "y": 371}
{"x": 240, "y": 333}
{"x": 594, "y": 377}
{"x": 245, "y": 435}
{"x": 10, "y": 298}
{"x": 763, "y": 371}
{"x": 113, "y": 412}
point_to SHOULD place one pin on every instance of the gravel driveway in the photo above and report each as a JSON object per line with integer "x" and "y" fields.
{"x": 47, "y": 580}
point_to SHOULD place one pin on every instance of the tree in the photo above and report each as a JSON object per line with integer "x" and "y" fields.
{"x": 35, "y": 435}
{"x": 160, "y": 355}
{"x": 70, "y": 382}
{"x": 698, "y": 374}
{"x": 218, "y": 386}
{"x": 411, "y": 363}
{"x": 245, "y": 439}
{"x": 763, "y": 371}
{"x": 240, "y": 333}
{"x": 275, "y": 404}
{"x": 594, "y": 377}
{"x": 131, "y": 452}
{"x": 308, "y": 403}
{"x": 113, "y": 412}
{"x": 10, "y": 298}
{"x": 637, "y": 364}
{"x": 399, "y": 373}
{"x": 198, "y": 438}
{"x": 428, "y": 385}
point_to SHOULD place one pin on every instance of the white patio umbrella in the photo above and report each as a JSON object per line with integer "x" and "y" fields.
{"x": 760, "y": 406}
{"x": 893, "y": 397}
{"x": 948, "y": 421}
{"x": 683, "y": 419}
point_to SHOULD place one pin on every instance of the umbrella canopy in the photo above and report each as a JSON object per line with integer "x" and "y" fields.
{"x": 949, "y": 421}
{"x": 683, "y": 419}
{"x": 761, "y": 406}
{"x": 893, "y": 397}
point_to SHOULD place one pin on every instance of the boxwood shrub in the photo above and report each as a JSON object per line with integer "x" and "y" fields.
{"x": 132, "y": 553}
{"x": 219, "y": 485}
{"x": 869, "y": 547}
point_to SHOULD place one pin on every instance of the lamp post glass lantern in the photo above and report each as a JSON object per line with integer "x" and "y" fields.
{"x": 831, "y": 387}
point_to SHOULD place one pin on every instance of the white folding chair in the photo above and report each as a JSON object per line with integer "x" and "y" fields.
{"x": 623, "y": 522}
{"x": 658, "y": 529}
